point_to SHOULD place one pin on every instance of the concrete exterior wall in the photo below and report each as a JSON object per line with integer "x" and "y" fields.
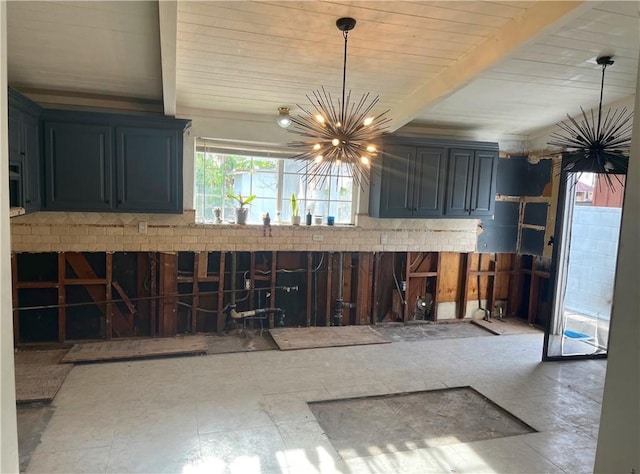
{"x": 592, "y": 260}
{"x": 96, "y": 232}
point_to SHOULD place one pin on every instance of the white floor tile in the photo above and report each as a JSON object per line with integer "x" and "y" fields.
{"x": 248, "y": 412}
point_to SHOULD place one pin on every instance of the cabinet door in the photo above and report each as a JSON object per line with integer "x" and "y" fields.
{"x": 31, "y": 167}
{"x": 484, "y": 183}
{"x": 429, "y": 182}
{"x": 15, "y": 134}
{"x": 459, "y": 182}
{"x": 78, "y": 167}
{"x": 397, "y": 184}
{"x": 149, "y": 171}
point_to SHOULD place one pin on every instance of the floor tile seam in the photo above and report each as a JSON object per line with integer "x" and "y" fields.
{"x": 44, "y": 451}
{"x": 550, "y": 460}
{"x": 250, "y": 426}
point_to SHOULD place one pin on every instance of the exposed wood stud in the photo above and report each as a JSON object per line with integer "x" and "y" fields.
{"x": 14, "y": 294}
{"x": 153, "y": 311}
{"x": 329, "y": 289}
{"x": 168, "y": 286}
{"x": 310, "y": 295}
{"x": 221, "y": 281}
{"x": 195, "y": 299}
{"x": 108, "y": 294}
{"x": 62, "y": 311}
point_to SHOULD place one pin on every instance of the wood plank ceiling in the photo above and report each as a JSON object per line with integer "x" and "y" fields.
{"x": 505, "y": 66}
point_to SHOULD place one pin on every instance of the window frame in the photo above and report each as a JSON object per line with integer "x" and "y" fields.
{"x": 282, "y": 210}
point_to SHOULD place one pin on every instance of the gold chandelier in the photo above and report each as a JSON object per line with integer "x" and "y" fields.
{"x": 345, "y": 133}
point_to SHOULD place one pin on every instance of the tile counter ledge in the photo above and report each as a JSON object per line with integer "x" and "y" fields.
{"x": 16, "y": 211}
{"x": 73, "y": 234}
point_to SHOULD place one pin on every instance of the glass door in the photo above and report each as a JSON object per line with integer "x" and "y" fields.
{"x": 584, "y": 264}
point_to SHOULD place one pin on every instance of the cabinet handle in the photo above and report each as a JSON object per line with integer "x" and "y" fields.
{"x": 28, "y": 201}
{"x": 106, "y": 201}
{"x": 119, "y": 201}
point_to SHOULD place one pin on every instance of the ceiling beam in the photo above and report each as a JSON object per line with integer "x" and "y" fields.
{"x": 536, "y": 21}
{"x": 168, "y": 14}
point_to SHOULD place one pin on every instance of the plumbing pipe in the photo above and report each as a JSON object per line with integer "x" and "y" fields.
{"x": 254, "y": 312}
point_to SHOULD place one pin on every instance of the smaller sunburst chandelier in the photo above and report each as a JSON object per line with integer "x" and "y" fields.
{"x": 345, "y": 133}
{"x": 596, "y": 144}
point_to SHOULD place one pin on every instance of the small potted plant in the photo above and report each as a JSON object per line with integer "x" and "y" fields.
{"x": 295, "y": 212}
{"x": 241, "y": 210}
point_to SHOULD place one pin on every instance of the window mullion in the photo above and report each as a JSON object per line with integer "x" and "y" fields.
{"x": 279, "y": 187}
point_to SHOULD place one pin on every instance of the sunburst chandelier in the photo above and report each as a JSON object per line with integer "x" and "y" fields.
{"x": 596, "y": 144}
{"x": 345, "y": 133}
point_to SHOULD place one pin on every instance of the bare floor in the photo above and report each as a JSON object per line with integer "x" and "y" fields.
{"x": 408, "y": 421}
{"x": 247, "y": 412}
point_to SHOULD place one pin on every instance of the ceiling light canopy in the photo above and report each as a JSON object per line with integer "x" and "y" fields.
{"x": 346, "y": 133}
{"x": 284, "y": 120}
{"x": 596, "y": 144}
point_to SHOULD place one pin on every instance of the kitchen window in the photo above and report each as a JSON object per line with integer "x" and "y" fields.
{"x": 273, "y": 180}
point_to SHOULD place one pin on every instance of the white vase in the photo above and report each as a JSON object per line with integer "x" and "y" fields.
{"x": 295, "y": 220}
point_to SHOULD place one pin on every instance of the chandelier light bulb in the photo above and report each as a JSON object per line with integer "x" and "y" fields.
{"x": 316, "y": 146}
{"x": 364, "y": 160}
{"x": 335, "y": 142}
{"x": 371, "y": 148}
{"x": 338, "y": 162}
{"x": 320, "y": 118}
{"x": 368, "y": 121}
{"x": 318, "y": 158}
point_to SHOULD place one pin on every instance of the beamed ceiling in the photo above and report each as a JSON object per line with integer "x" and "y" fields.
{"x": 499, "y": 66}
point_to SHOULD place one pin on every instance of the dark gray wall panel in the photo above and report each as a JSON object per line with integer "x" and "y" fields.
{"x": 532, "y": 242}
{"x": 511, "y": 177}
{"x": 499, "y": 238}
{"x": 535, "y": 213}
{"x": 537, "y": 177}
{"x": 506, "y": 213}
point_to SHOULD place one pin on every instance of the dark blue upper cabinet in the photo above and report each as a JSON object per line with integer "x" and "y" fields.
{"x": 78, "y": 167}
{"x": 149, "y": 171}
{"x": 421, "y": 177}
{"x": 396, "y": 182}
{"x": 109, "y": 162}
{"x": 24, "y": 152}
{"x": 459, "y": 183}
{"x": 471, "y": 186}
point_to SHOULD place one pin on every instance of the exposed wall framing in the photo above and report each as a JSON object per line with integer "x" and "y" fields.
{"x": 90, "y": 296}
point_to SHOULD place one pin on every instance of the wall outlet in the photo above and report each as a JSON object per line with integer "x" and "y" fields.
{"x": 384, "y": 238}
{"x": 142, "y": 227}
{"x": 318, "y": 237}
